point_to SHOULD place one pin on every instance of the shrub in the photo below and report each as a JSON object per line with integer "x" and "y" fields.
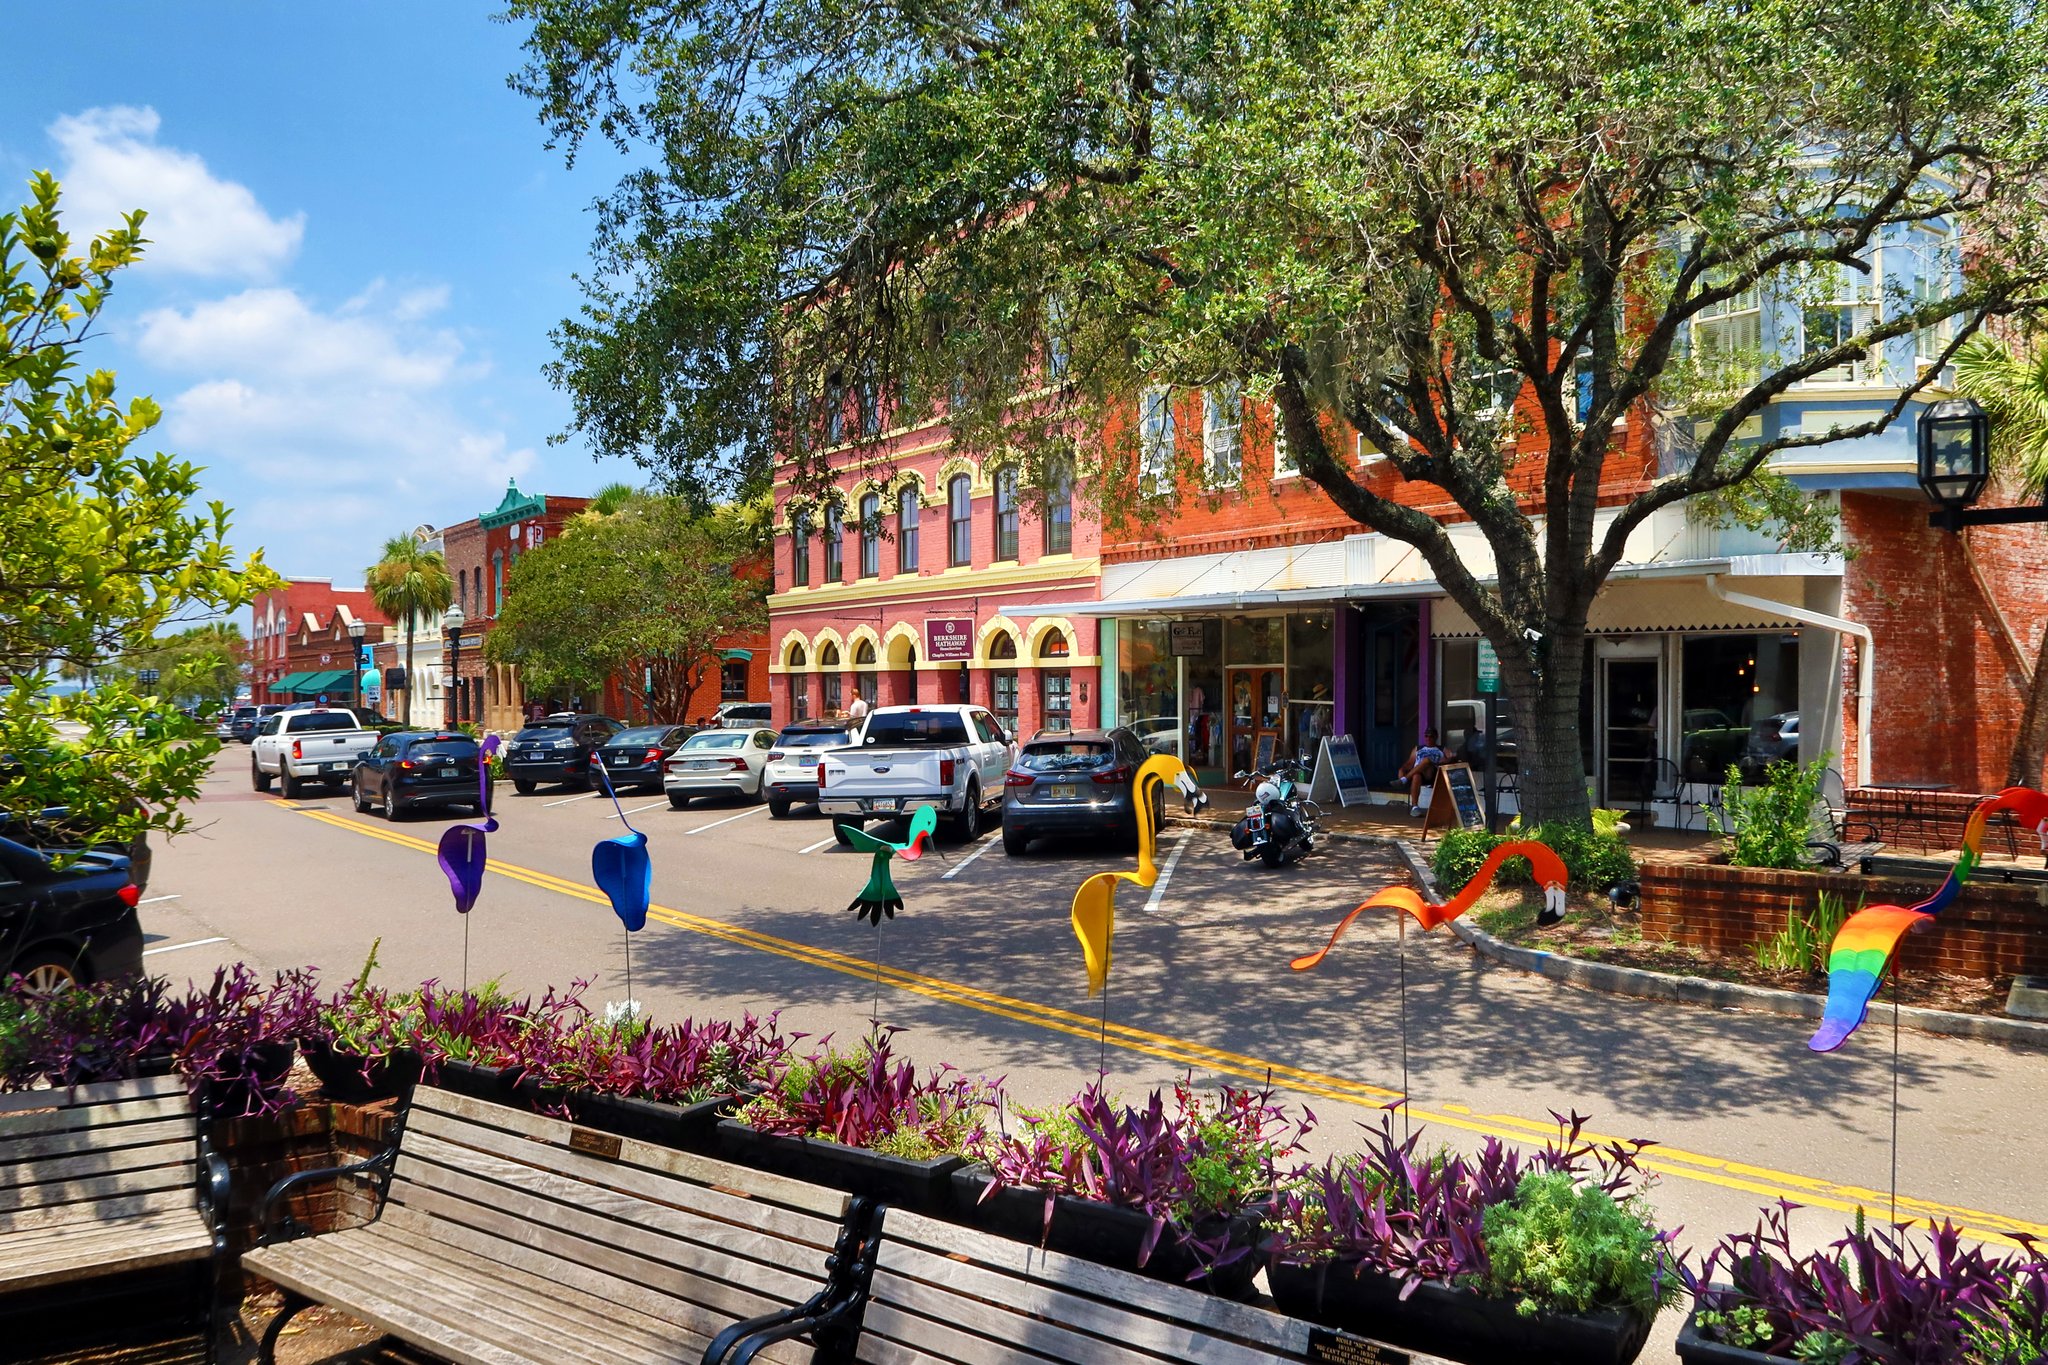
{"x": 1803, "y": 944}
{"x": 1561, "y": 1246}
{"x": 869, "y": 1099}
{"x": 1769, "y": 825}
{"x": 1593, "y": 861}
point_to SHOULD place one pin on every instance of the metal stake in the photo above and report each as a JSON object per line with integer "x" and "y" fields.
{"x": 1895, "y": 1090}
{"x": 1402, "y": 916}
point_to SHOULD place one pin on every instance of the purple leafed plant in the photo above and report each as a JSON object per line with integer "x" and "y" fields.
{"x": 1878, "y": 1295}
{"x": 672, "y": 1063}
{"x": 103, "y": 1032}
{"x": 235, "y": 1041}
{"x": 871, "y": 1099}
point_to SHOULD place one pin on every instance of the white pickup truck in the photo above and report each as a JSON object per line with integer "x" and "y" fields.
{"x": 949, "y": 757}
{"x": 320, "y": 745}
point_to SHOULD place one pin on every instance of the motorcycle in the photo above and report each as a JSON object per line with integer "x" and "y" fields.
{"x": 1282, "y": 823}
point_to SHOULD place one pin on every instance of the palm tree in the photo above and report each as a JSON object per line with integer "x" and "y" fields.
{"x": 2013, "y": 387}
{"x": 408, "y": 581}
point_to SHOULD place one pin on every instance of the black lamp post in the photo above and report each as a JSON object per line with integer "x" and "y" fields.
{"x": 356, "y": 631}
{"x": 451, "y": 630}
{"x": 1955, "y": 464}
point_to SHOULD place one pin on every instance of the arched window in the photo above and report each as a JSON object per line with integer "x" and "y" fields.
{"x": 871, "y": 536}
{"x": 1054, "y": 645}
{"x": 799, "y": 683}
{"x": 497, "y": 583}
{"x": 1059, "y": 509}
{"x": 800, "y": 548}
{"x": 866, "y": 682}
{"x": 835, "y": 545}
{"x": 959, "y": 521}
{"x": 906, "y": 530}
{"x": 1006, "y": 514}
{"x": 864, "y": 654}
{"x": 828, "y": 664}
{"x": 1002, "y": 653}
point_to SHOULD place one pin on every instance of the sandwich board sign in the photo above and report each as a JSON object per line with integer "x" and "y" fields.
{"x": 1339, "y": 774}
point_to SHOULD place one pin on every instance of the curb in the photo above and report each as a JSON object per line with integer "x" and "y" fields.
{"x": 1698, "y": 990}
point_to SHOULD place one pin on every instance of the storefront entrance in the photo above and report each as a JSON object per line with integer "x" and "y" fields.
{"x": 1254, "y": 720}
{"x": 1628, "y": 730}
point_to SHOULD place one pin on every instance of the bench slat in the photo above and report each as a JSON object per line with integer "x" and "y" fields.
{"x": 109, "y": 1210}
{"x": 185, "y": 1130}
{"x": 95, "y": 1188}
{"x": 18, "y": 1173}
{"x": 885, "y": 1322}
{"x": 84, "y": 1118}
{"x": 582, "y": 1232}
{"x": 117, "y": 1249}
{"x": 85, "y": 1096}
{"x": 701, "y": 1170}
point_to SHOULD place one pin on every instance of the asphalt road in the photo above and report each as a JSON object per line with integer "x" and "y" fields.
{"x": 982, "y": 971}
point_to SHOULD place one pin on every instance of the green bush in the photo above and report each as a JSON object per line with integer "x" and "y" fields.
{"x": 1594, "y": 862}
{"x": 1803, "y": 944}
{"x": 1768, "y": 826}
{"x": 1558, "y": 1247}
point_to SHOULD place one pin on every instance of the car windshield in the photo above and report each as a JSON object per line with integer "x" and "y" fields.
{"x": 640, "y": 734}
{"x": 814, "y": 739}
{"x": 542, "y": 729}
{"x": 1071, "y": 756}
{"x": 443, "y": 746}
{"x": 893, "y": 728}
{"x": 730, "y": 739}
{"x": 324, "y": 720}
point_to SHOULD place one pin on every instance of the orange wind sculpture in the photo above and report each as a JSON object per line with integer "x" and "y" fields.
{"x": 1550, "y": 875}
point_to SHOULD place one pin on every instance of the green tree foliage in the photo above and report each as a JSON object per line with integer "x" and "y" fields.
{"x": 1393, "y": 214}
{"x": 647, "y": 589}
{"x": 408, "y": 579}
{"x": 101, "y": 546}
{"x": 201, "y": 664}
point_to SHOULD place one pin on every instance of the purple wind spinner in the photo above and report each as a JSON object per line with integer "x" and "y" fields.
{"x": 462, "y": 846}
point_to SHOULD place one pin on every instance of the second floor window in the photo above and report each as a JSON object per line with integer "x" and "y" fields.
{"x": 1222, "y": 434}
{"x": 871, "y": 536}
{"x": 906, "y": 530}
{"x": 1155, "y": 438}
{"x": 800, "y": 549}
{"x": 835, "y": 545}
{"x": 1006, "y": 514}
{"x": 1059, "y": 509}
{"x": 959, "y": 521}
{"x": 1729, "y": 334}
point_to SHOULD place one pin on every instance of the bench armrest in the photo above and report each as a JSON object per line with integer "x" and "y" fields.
{"x": 740, "y": 1343}
{"x": 268, "y": 1209}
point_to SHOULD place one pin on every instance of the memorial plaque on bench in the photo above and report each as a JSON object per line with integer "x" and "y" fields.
{"x": 1341, "y": 1348}
{"x": 593, "y": 1143}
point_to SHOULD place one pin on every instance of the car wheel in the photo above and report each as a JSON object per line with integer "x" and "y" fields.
{"x": 522, "y": 786}
{"x": 1015, "y": 842}
{"x": 362, "y": 802}
{"x": 390, "y": 806}
{"x": 778, "y": 809}
{"x": 678, "y": 801}
{"x": 47, "y": 971}
{"x": 287, "y": 785}
{"x": 840, "y": 828}
{"x": 966, "y": 826}
{"x": 258, "y": 779}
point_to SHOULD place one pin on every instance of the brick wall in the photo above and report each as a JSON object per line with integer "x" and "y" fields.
{"x": 260, "y": 1152}
{"x": 1990, "y": 931}
{"x": 1951, "y": 662}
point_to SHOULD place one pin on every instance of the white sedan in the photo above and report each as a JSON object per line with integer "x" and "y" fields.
{"x": 718, "y": 763}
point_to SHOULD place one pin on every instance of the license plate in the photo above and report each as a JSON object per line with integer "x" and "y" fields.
{"x": 337, "y": 767}
{"x": 622, "y": 761}
{"x": 529, "y": 753}
{"x": 705, "y": 766}
{"x": 1061, "y": 792}
{"x": 887, "y": 803}
{"x": 451, "y": 772}
{"x": 1255, "y": 820}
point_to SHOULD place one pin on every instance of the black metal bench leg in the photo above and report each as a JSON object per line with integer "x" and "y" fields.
{"x": 294, "y": 1304}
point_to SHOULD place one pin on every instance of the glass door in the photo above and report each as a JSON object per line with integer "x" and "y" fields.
{"x": 1629, "y": 731}
{"x": 1255, "y": 717}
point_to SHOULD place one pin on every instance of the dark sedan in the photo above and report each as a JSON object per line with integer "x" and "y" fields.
{"x": 1074, "y": 782}
{"x": 632, "y": 759}
{"x": 69, "y": 924}
{"x": 412, "y": 769}
{"x": 557, "y": 748}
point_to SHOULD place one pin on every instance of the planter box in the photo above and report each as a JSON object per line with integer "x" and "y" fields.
{"x": 922, "y": 1186}
{"x": 1106, "y": 1234}
{"x": 1695, "y": 1349}
{"x": 347, "y": 1081}
{"x": 488, "y": 1083}
{"x": 685, "y": 1127}
{"x": 1458, "y": 1323}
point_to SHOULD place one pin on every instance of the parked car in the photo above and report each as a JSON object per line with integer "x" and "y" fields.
{"x": 51, "y": 831}
{"x": 61, "y": 926}
{"x": 1465, "y": 739}
{"x": 1159, "y": 734}
{"x": 224, "y": 724}
{"x": 1772, "y": 739}
{"x": 949, "y": 757}
{"x": 411, "y": 769}
{"x": 1074, "y": 783}
{"x": 296, "y": 747}
{"x": 247, "y": 718}
{"x": 635, "y": 759}
{"x": 718, "y": 763}
{"x": 557, "y": 748}
{"x": 1708, "y": 743}
{"x": 792, "y": 772}
{"x": 741, "y": 715}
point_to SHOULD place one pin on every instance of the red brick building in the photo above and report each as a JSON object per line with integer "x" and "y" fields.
{"x": 480, "y": 554}
{"x": 299, "y": 643}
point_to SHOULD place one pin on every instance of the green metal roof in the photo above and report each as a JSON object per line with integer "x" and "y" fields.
{"x": 288, "y": 682}
{"x": 312, "y": 684}
{"x": 516, "y": 506}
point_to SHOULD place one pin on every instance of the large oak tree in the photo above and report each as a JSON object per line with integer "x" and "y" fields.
{"x": 1385, "y": 216}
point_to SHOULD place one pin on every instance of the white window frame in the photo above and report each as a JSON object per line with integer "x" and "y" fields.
{"x": 1284, "y": 464}
{"x": 1223, "y": 435}
{"x": 1368, "y": 453}
{"x": 1155, "y": 437}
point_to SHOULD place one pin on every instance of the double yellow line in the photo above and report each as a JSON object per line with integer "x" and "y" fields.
{"x": 1696, "y": 1166}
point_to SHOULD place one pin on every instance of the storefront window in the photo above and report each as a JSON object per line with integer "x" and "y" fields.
{"x": 1147, "y": 700}
{"x": 1255, "y": 639}
{"x": 864, "y": 683}
{"x": 1059, "y": 705}
{"x": 1739, "y": 699}
{"x": 1311, "y": 679}
{"x": 1002, "y": 653}
{"x": 1203, "y": 721}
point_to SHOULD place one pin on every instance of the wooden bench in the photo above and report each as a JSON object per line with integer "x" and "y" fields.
{"x": 944, "y": 1293}
{"x": 105, "y": 1188}
{"x": 508, "y": 1237}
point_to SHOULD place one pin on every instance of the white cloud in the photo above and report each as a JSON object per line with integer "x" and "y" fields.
{"x": 198, "y": 224}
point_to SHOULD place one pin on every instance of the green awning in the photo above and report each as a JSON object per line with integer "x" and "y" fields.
{"x": 313, "y": 684}
{"x": 746, "y": 654}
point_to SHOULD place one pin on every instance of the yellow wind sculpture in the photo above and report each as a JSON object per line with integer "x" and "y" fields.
{"x": 1095, "y": 902}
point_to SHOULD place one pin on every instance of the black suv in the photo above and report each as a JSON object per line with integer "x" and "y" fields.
{"x": 556, "y": 748}
{"x": 411, "y": 769}
{"x": 71, "y": 924}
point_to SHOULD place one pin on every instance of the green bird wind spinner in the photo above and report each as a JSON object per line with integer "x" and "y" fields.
{"x": 880, "y": 897}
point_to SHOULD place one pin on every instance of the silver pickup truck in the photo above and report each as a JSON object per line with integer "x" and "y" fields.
{"x": 949, "y": 757}
{"x": 323, "y": 744}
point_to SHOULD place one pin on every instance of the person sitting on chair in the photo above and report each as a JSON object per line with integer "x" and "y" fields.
{"x": 1420, "y": 769}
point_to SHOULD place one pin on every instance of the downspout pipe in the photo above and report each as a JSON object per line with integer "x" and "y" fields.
{"x": 1866, "y": 658}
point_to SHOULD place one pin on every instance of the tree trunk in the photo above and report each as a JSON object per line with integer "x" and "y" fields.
{"x": 2030, "y": 746}
{"x": 1552, "y": 766}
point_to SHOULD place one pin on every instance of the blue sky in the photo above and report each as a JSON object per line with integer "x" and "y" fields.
{"x": 360, "y": 244}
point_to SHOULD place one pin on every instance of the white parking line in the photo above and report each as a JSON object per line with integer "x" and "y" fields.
{"x": 1166, "y": 873}
{"x": 636, "y": 810}
{"x": 567, "y": 799}
{"x": 154, "y": 899}
{"x": 822, "y": 843}
{"x": 726, "y": 821}
{"x": 988, "y": 842}
{"x": 195, "y": 943}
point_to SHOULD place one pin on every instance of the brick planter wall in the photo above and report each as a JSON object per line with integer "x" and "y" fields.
{"x": 260, "y": 1152}
{"x": 1990, "y": 931}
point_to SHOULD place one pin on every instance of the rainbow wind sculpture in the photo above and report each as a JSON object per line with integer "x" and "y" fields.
{"x": 1543, "y": 861}
{"x": 1867, "y": 939}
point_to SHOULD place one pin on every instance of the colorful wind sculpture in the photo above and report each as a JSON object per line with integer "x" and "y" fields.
{"x": 1865, "y": 943}
{"x": 1094, "y": 913}
{"x": 624, "y": 871}
{"x": 461, "y": 852}
{"x": 1550, "y": 875}
{"x": 880, "y": 897}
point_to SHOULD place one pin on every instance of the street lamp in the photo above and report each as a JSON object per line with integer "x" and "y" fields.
{"x": 1955, "y": 464}
{"x": 452, "y": 623}
{"x": 356, "y": 631}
